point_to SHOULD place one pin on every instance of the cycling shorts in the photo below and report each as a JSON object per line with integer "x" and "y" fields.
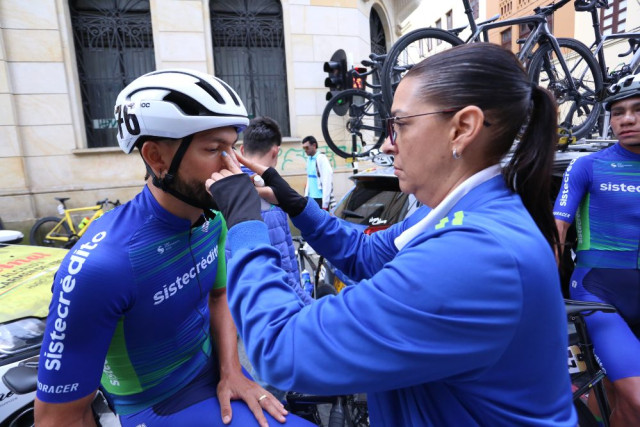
{"x": 615, "y": 336}
{"x": 197, "y": 405}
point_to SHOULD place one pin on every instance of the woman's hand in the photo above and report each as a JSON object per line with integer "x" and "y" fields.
{"x": 234, "y": 193}
{"x": 288, "y": 199}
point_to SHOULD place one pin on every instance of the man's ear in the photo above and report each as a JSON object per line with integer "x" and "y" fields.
{"x": 274, "y": 151}
{"x": 242, "y": 150}
{"x": 152, "y": 154}
{"x": 466, "y": 124}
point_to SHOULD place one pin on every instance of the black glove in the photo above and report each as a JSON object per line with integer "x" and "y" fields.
{"x": 237, "y": 199}
{"x": 288, "y": 199}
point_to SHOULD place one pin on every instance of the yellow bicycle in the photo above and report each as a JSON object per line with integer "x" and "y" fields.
{"x": 64, "y": 232}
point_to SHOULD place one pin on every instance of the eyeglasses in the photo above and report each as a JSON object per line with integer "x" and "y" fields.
{"x": 391, "y": 121}
{"x": 391, "y": 131}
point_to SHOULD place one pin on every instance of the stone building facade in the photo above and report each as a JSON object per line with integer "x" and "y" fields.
{"x": 47, "y": 147}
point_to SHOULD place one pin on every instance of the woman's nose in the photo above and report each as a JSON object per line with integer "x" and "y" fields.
{"x": 387, "y": 147}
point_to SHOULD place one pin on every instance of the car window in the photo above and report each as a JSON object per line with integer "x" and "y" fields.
{"x": 374, "y": 202}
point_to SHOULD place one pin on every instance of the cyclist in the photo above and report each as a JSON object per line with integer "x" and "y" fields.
{"x": 445, "y": 325}
{"x": 601, "y": 193}
{"x": 137, "y": 304}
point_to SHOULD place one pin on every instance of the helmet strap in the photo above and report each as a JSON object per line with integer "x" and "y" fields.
{"x": 166, "y": 182}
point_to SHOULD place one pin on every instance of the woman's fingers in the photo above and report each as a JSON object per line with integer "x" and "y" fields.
{"x": 230, "y": 162}
{"x": 256, "y": 167}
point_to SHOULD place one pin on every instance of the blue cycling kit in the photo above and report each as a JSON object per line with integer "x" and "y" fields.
{"x": 601, "y": 192}
{"x": 459, "y": 327}
{"x": 130, "y": 311}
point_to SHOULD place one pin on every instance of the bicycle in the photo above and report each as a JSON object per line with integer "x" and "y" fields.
{"x": 586, "y": 373}
{"x": 307, "y": 260}
{"x": 565, "y": 66}
{"x": 346, "y": 411}
{"x": 354, "y": 118}
{"x": 597, "y": 47}
{"x": 64, "y": 232}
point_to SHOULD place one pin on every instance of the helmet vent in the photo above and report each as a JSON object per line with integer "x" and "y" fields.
{"x": 187, "y": 104}
{"x": 231, "y": 92}
{"x": 211, "y": 91}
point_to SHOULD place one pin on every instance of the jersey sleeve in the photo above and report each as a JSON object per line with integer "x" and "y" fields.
{"x": 90, "y": 296}
{"x": 575, "y": 184}
{"x": 430, "y": 323}
{"x": 221, "y": 275}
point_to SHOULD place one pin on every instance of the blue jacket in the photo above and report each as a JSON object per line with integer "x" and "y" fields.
{"x": 463, "y": 326}
{"x": 280, "y": 237}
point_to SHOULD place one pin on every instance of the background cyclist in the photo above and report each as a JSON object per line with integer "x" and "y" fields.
{"x": 601, "y": 192}
{"x": 142, "y": 296}
{"x": 444, "y": 327}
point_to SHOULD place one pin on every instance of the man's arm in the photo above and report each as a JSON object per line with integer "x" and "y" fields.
{"x": 233, "y": 384}
{"x": 563, "y": 227}
{"x": 72, "y": 414}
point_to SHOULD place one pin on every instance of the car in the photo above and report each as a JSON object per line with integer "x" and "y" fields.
{"x": 375, "y": 201}
{"x": 26, "y": 275}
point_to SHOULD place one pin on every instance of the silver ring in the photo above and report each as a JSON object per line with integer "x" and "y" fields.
{"x": 262, "y": 397}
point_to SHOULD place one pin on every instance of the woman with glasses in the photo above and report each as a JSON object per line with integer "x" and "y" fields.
{"x": 458, "y": 316}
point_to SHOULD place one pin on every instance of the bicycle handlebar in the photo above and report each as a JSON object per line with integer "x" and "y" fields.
{"x": 107, "y": 201}
{"x": 633, "y": 46}
{"x": 549, "y": 9}
{"x": 378, "y": 58}
{"x": 588, "y": 5}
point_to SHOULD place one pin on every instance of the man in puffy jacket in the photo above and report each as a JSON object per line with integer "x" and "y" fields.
{"x": 261, "y": 143}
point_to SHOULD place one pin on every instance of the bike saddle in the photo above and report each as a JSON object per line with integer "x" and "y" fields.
{"x": 21, "y": 379}
{"x": 573, "y": 307}
{"x": 62, "y": 199}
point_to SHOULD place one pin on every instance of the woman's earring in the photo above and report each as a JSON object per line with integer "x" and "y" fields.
{"x": 455, "y": 154}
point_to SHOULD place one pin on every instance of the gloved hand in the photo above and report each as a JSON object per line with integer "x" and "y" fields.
{"x": 288, "y": 199}
{"x": 235, "y": 196}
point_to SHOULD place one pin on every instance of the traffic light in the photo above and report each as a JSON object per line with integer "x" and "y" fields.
{"x": 337, "y": 76}
{"x": 357, "y": 80}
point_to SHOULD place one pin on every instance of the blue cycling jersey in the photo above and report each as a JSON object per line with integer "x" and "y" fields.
{"x": 602, "y": 192}
{"x": 134, "y": 290}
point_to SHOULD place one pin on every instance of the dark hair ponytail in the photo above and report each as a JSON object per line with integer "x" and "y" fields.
{"x": 492, "y": 78}
{"x": 529, "y": 171}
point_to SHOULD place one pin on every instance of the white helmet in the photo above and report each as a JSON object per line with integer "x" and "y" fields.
{"x": 174, "y": 104}
{"x": 626, "y": 87}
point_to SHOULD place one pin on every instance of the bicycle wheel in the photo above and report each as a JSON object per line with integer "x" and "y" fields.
{"x": 356, "y": 130}
{"x": 42, "y": 227}
{"x": 410, "y": 49}
{"x": 578, "y": 109}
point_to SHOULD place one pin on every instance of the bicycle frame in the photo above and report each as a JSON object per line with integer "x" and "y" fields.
{"x": 633, "y": 65}
{"x": 58, "y": 232}
{"x": 598, "y": 51}
{"x": 594, "y": 383}
{"x": 540, "y": 34}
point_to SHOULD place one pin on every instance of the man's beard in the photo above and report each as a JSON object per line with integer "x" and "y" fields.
{"x": 195, "y": 191}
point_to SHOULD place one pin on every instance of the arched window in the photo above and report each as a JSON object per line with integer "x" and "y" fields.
{"x": 114, "y": 45}
{"x": 378, "y": 40}
{"x": 248, "y": 50}
{"x": 376, "y": 31}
